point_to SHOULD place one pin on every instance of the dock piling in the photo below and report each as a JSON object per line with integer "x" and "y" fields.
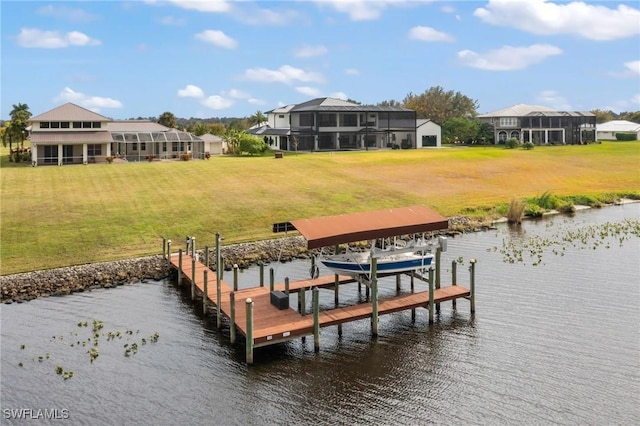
{"x": 271, "y": 279}
{"x": 169, "y": 250}
{"x": 235, "y": 277}
{"x": 193, "y": 278}
{"x": 374, "y": 296}
{"x": 261, "y": 274}
{"x": 232, "y": 317}
{"x": 205, "y": 296}
{"x": 249, "y": 335}
{"x": 286, "y": 286}
{"x": 431, "y": 291}
{"x": 438, "y": 276}
{"x": 302, "y": 305}
{"x": 472, "y": 286}
{"x": 316, "y": 319}
{"x": 454, "y": 278}
{"x": 206, "y": 256}
{"x": 180, "y": 267}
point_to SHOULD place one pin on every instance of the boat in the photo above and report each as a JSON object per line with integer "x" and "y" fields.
{"x": 395, "y": 258}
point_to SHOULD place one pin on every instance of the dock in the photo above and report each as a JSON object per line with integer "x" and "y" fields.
{"x": 262, "y": 315}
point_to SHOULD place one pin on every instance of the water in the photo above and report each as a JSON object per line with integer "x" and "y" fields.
{"x": 557, "y": 343}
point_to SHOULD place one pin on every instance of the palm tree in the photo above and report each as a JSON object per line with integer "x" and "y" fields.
{"x": 20, "y": 112}
{"x": 169, "y": 120}
{"x": 256, "y": 118}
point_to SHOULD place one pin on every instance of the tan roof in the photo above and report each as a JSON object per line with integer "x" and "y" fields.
{"x": 69, "y": 112}
{"x": 70, "y": 137}
{"x": 136, "y": 126}
{"x": 346, "y": 228}
{"x": 208, "y": 137}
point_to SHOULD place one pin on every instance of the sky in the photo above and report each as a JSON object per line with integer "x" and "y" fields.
{"x": 203, "y": 59}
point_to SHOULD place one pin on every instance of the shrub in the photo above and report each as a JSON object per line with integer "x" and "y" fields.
{"x": 626, "y": 136}
{"x": 512, "y": 143}
{"x": 533, "y": 210}
{"x": 516, "y": 211}
{"x": 528, "y": 145}
{"x": 566, "y": 207}
{"x": 547, "y": 201}
{"x": 185, "y": 157}
{"x": 109, "y": 159}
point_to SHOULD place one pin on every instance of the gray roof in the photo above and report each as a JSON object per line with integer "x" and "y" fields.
{"x": 208, "y": 137}
{"x": 519, "y": 110}
{"x": 69, "y": 112}
{"x": 136, "y": 126}
{"x": 70, "y": 137}
{"x": 269, "y": 131}
{"x": 332, "y": 104}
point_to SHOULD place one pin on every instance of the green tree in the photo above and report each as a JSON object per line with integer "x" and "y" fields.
{"x": 13, "y": 131}
{"x": 486, "y": 134}
{"x": 20, "y": 112}
{"x": 217, "y": 129}
{"x": 603, "y": 116}
{"x": 630, "y": 116}
{"x": 167, "y": 119}
{"x": 440, "y": 105}
{"x": 199, "y": 129}
{"x": 256, "y": 118}
{"x": 251, "y": 144}
{"x": 460, "y": 130}
{"x": 390, "y": 103}
{"x": 232, "y": 138}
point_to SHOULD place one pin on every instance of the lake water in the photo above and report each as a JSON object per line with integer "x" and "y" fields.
{"x": 556, "y": 343}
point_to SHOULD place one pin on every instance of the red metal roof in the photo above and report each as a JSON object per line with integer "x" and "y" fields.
{"x": 346, "y": 228}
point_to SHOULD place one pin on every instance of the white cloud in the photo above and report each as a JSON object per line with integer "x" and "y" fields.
{"x": 259, "y": 16}
{"x": 191, "y": 91}
{"x": 217, "y": 38}
{"x": 172, "y": 21}
{"x": 92, "y": 102}
{"x": 284, "y": 74}
{"x": 311, "y": 51}
{"x": 358, "y": 10}
{"x": 595, "y": 22}
{"x": 67, "y": 13}
{"x": 217, "y": 102}
{"x": 339, "y": 95}
{"x": 236, "y": 94}
{"x": 351, "y": 71}
{"x": 308, "y": 91}
{"x": 35, "y": 38}
{"x": 633, "y": 66}
{"x": 254, "y": 101}
{"x": 201, "y": 5}
{"x": 554, "y": 100}
{"x": 428, "y": 34}
{"x": 508, "y": 58}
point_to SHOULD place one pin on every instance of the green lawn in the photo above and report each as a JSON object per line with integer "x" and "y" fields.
{"x": 57, "y": 216}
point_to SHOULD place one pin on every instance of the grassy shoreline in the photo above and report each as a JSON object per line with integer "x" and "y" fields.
{"x": 61, "y": 216}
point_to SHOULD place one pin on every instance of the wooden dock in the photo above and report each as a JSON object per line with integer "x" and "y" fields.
{"x": 251, "y": 313}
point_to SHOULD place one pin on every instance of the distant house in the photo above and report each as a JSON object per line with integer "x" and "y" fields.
{"x": 71, "y": 134}
{"x": 213, "y": 144}
{"x": 609, "y": 129}
{"x": 328, "y": 124}
{"x": 541, "y": 125}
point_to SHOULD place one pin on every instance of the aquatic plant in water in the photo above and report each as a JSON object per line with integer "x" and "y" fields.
{"x": 531, "y": 248}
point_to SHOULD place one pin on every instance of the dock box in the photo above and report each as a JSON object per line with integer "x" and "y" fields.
{"x": 279, "y": 299}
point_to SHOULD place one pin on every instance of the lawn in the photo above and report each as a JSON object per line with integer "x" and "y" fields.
{"x": 58, "y": 216}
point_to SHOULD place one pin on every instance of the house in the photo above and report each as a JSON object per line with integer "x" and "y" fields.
{"x": 541, "y": 125}
{"x": 329, "y": 124}
{"x": 71, "y": 134}
{"x": 428, "y": 132}
{"x": 213, "y": 144}
{"x": 609, "y": 129}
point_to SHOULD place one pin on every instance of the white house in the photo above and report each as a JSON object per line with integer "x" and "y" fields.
{"x": 428, "y": 133}
{"x": 609, "y": 129}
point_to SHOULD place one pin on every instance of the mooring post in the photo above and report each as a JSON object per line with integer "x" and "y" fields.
{"x": 413, "y": 310}
{"x": 286, "y": 286}
{"x": 218, "y": 282}
{"x": 232, "y": 319}
{"x": 193, "y": 247}
{"x": 454, "y": 266}
{"x": 398, "y": 279}
{"x": 431, "y": 298}
{"x": 169, "y": 250}
{"x": 235, "y": 277}
{"x": 271, "y": 279}
{"x": 249, "y": 336}
{"x": 206, "y": 256}
{"x": 374, "y": 296}
{"x": 302, "y": 305}
{"x": 261, "y": 274}
{"x": 438, "y": 256}
{"x": 472, "y": 290}
{"x": 205, "y": 296}
{"x": 193, "y": 278}
{"x": 180, "y": 267}
{"x": 366, "y": 291}
{"x": 316, "y": 319}
{"x": 336, "y": 297}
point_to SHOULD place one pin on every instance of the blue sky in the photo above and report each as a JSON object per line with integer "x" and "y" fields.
{"x": 205, "y": 59}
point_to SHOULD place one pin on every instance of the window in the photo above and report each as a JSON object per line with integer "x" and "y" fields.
{"x": 44, "y": 124}
{"x": 93, "y": 150}
{"x": 164, "y": 146}
{"x": 174, "y": 146}
{"x": 306, "y": 119}
{"x": 328, "y": 120}
{"x": 348, "y": 120}
{"x": 86, "y": 124}
{"x": 143, "y": 146}
{"x": 96, "y": 125}
{"x": 50, "y": 154}
{"x": 502, "y": 136}
{"x": 134, "y": 146}
{"x": 508, "y": 122}
{"x": 64, "y": 124}
{"x": 281, "y": 116}
{"x": 55, "y": 124}
{"x": 77, "y": 125}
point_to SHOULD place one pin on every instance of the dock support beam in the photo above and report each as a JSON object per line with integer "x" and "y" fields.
{"x": 180, "y": 267}
{"x": 205, "y": 296}
{"x": 438, "y": 256}
{"x": 302, "y": 303}
{"x": 336, "y": 297}
{"x": 431, "y": 296}
{"x": 316, "y": 319}
{"x": 193, "y": 278}
{"x": 235, "y": 277}
{"x": 249, "y": 337}
{"x": 286, "y": 286}
{"x": 271, "y": 279}
{"x": 261, "y": 274}
{"x": 413, "y": 310}
{"x": 232, "y": 319}
{"x": 218, "y": 283}
{"x": 472, "y": 290}
{"x": 454, "y": 279}
{"x": 374, "y": 296}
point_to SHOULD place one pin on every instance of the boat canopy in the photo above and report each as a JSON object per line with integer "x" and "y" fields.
{"x": 347, "y": 228}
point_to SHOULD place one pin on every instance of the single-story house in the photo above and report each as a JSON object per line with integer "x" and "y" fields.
{"x": 541, "y": 125}
{"x": 329, "y": 124}
{"x": 609, "y": 129}
{"x": 71, "y": 134}
{"x": 213, "y": 144}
